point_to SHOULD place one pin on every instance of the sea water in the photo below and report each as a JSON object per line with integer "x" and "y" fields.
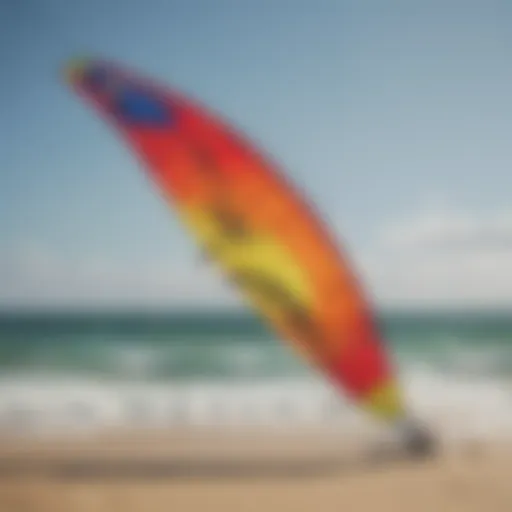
{"x": 66, "y": 372}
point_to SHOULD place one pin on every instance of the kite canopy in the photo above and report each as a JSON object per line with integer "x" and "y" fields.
{"x": 254, "y": 224}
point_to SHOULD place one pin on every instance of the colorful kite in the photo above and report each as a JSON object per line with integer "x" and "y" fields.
{"x": 249, "y": 219}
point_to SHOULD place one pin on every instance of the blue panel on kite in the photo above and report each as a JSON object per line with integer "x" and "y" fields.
{"x": 137, "y": 106}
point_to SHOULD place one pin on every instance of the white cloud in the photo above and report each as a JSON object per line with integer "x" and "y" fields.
{"x": 450, "y": 229}
{"x": 432, "y": 258}
{"x": 443, "y": 256}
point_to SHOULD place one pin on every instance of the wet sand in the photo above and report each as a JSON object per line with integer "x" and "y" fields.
{"x": 187, "y": 473}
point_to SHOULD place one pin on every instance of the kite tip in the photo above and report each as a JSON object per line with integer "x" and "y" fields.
{"x": 74, "y": 68}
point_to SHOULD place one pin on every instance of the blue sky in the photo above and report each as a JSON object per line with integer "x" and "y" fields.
{"x": 395, "y": 117}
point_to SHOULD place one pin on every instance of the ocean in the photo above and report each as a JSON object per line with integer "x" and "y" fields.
{"x": 69, "y": 372}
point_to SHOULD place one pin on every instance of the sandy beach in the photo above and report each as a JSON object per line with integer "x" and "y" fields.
{"x": 185, "y": 472}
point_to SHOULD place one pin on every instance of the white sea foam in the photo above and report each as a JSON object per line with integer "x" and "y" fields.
{"x": 455, "y": 407}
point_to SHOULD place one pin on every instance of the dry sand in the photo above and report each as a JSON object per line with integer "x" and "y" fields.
{"x": 185, "y": 472}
